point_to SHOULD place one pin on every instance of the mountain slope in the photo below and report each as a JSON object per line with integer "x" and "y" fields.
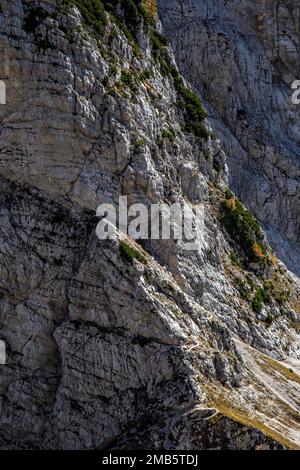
{"x": 101, "y": 346}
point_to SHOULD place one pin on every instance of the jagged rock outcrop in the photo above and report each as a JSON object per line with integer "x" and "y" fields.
{"x": 100, "y": 345}
{"x": 243, "y": 57}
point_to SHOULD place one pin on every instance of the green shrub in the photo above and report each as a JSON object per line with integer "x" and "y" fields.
{"x": 262, "y": 296}
{"x": 139, "y": 143}
{"x": 158, "y": 41}
{"x": 132, "y": 12}
{"x": 189, "y": 103}
{"x": 269, "y": 319}
{"x": 146, "y": 74}
{"x": 113, "y": 92}
{"x": 128, "y": 15}
{"x": 131, "y": 78}
{"x": 243, "y": 288}
{"x": 159, "y": 142}
{"x": 93, "y": 14}
{"x": 125, "y": 15}
{"x": 258, "y": 301}
{"x": 244, "y": 229}
{"x": 127, "y": 77}
{"x": 169, "y": 134}
{"x": 128, "y": 253}
{"x": 114, "y": 70}
{"x": 234, "y": 258}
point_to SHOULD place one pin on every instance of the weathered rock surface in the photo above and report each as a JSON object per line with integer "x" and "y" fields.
{"x": 243, "y": 57}
{"x": 198, "y": 429}
{"x": 96, "y": 344}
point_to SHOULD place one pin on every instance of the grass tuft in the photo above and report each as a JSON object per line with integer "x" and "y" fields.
{"x": 129, "y": 254}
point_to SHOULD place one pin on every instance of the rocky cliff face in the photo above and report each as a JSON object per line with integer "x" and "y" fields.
{"x": 161, "y": 348}
{"x": 242, "y": 57}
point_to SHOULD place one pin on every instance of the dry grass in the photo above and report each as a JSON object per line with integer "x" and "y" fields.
{"x": 272, "y": 365}
{"x": 242, "y": 417}
{"x": 151, "y": 7}
{"x": 258, "y": 251}
{"x": 231, "y": 203}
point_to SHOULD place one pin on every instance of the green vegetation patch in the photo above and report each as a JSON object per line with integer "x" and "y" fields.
{"x": 169, "y": 133}
{"x": 129, "y": 253}
{"x": 188, "y": 102}
{"x": 244, "y": 229}
{"x": 192, "y": 106}
{"x": 126, "y": 14}
{"x": 159, "y": 42}
{"x": 129, "y": 79}
{"x": 235, "y": 259}
{"x": 93, "y": 14}
{"x": 266, "y": 295}
{"x": 262, "y": 296}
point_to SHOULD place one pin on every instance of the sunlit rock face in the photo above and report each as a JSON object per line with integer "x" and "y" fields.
{"x": 242, "y": 57}
{"x": 184, "y": 349}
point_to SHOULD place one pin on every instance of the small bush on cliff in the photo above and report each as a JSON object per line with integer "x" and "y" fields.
{"x": 169, "y": 133}
{"x": 158, "y": 41}
{"x": 262, "y": 296}
{"x": 194, "y": 112}
{"x": 244, "y": 229}
{"x": 129, "y": 79}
